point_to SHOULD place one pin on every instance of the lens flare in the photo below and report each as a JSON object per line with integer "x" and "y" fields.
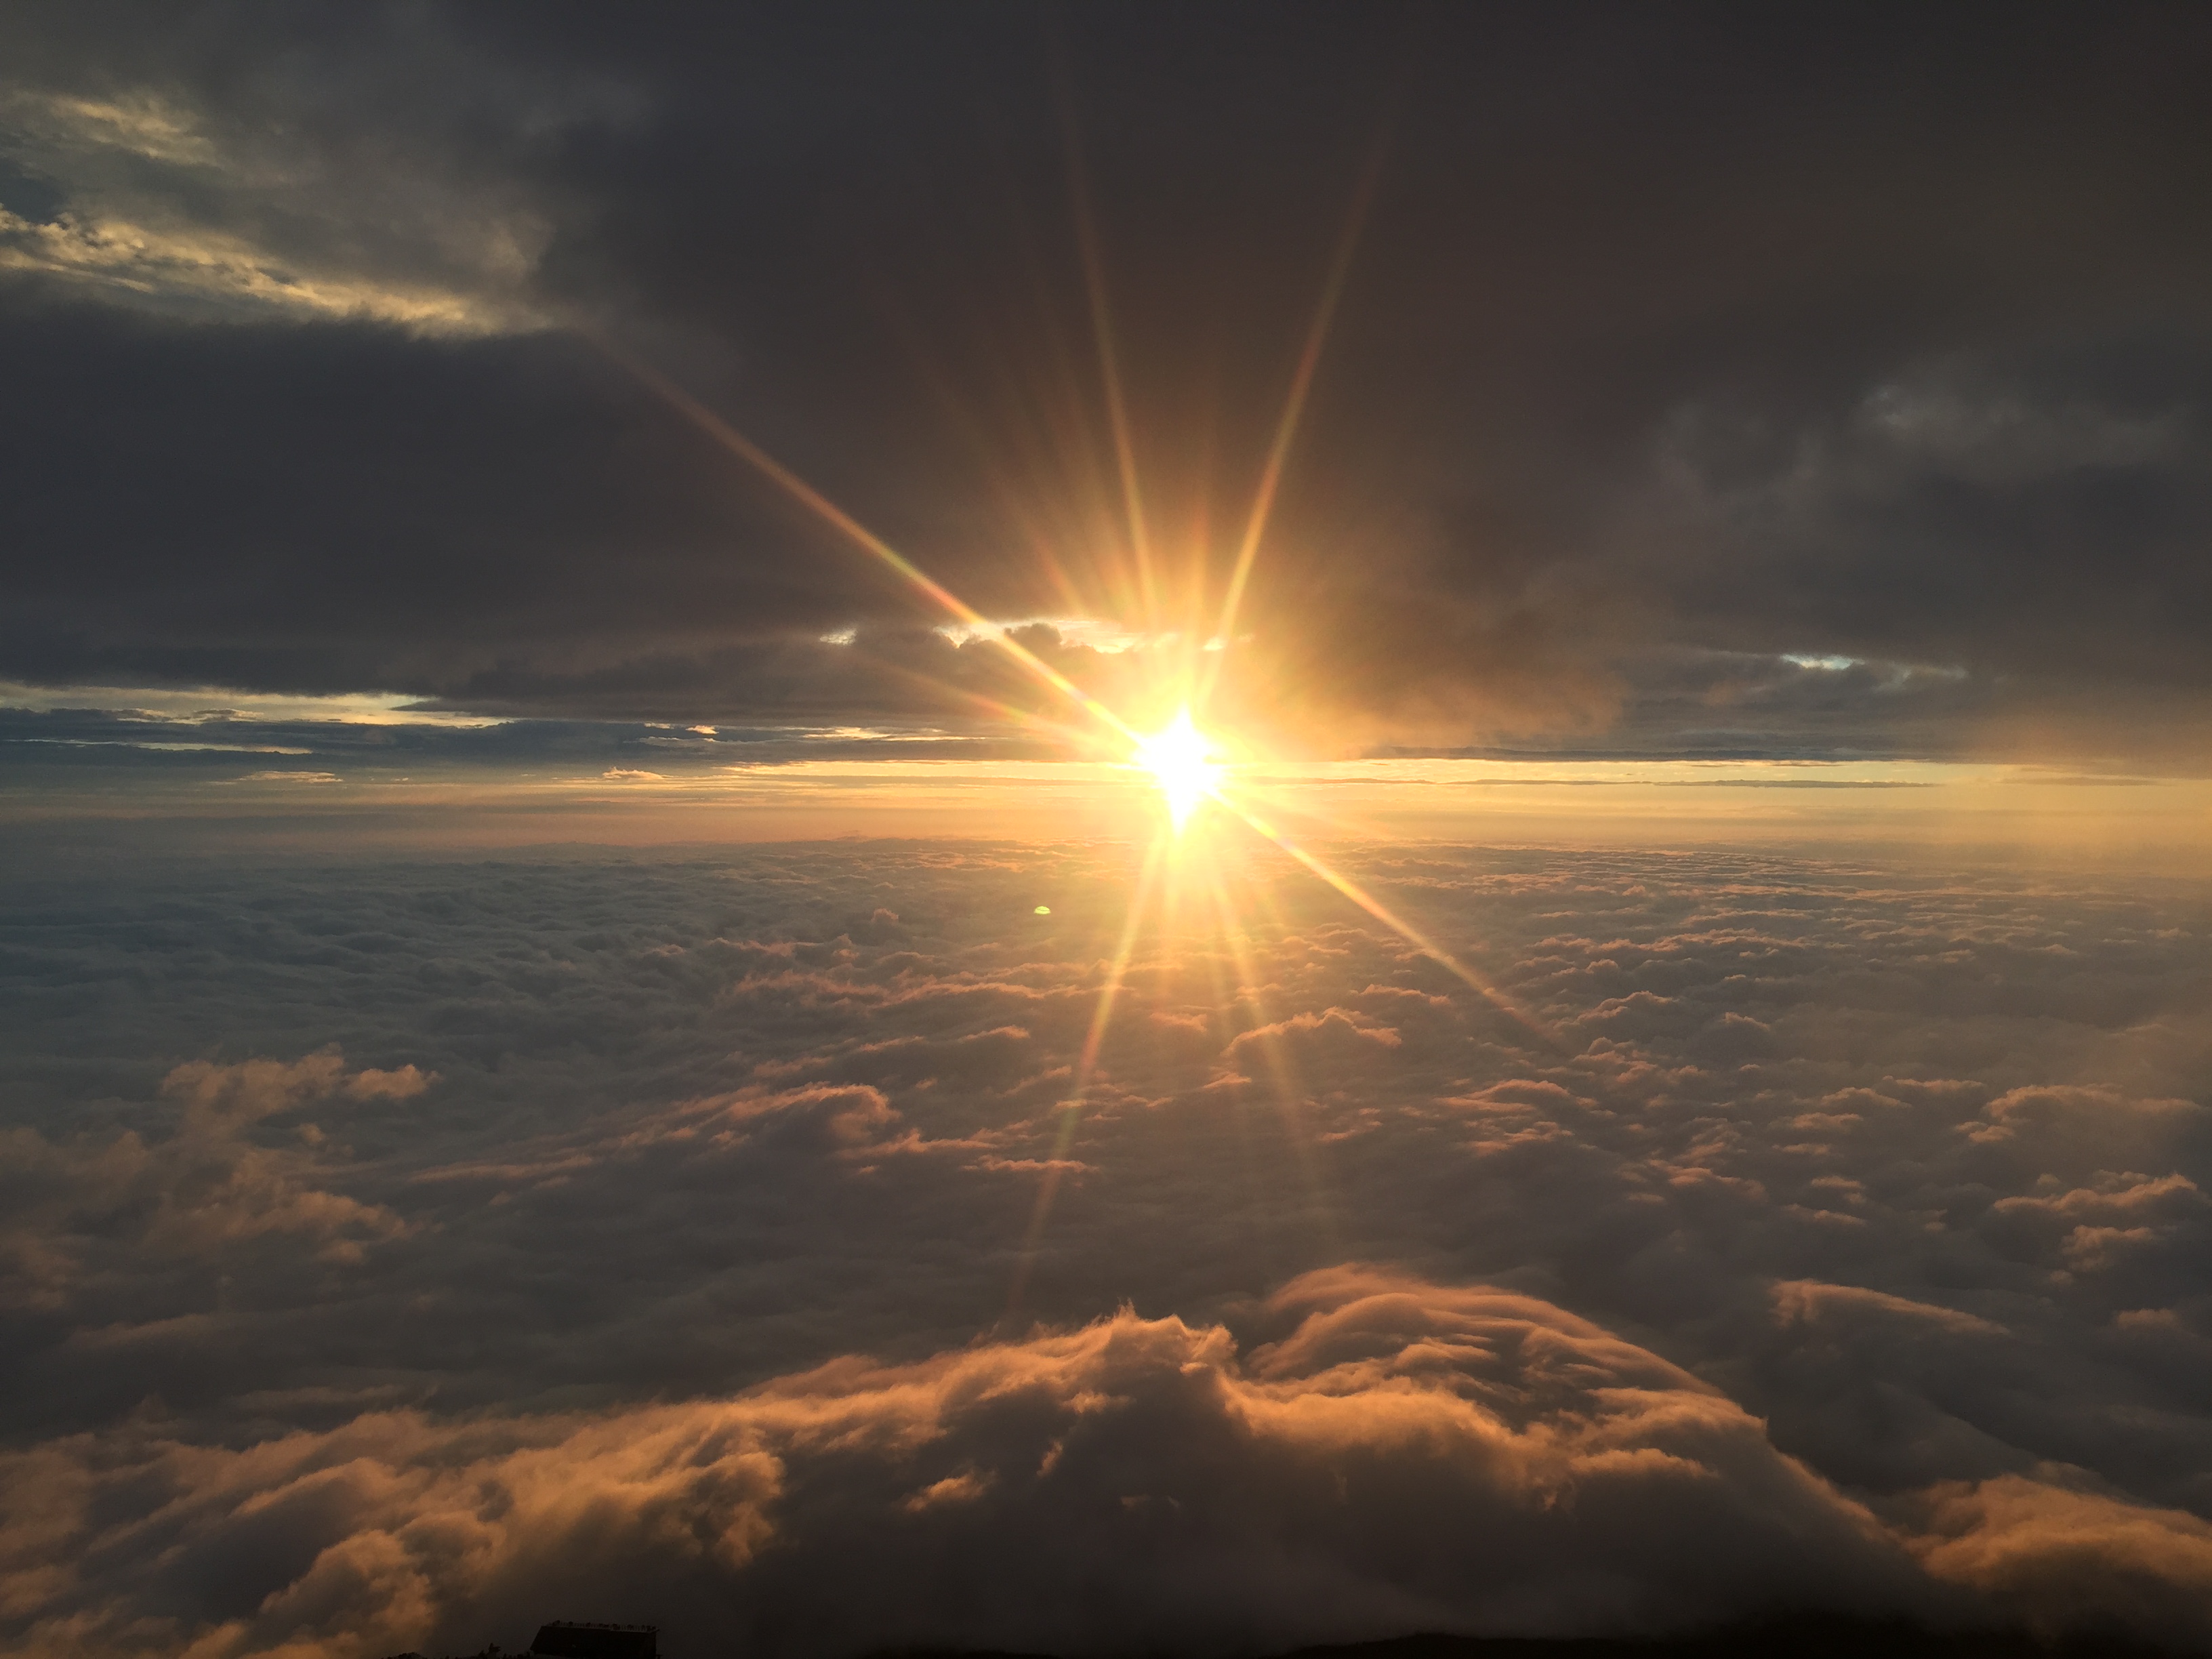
{"x": 1180, "y": 757}
{"x": 1181, "y": 761}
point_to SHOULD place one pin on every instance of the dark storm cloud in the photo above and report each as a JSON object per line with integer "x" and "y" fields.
{"x": 501, "y": 1232}
{"x": 1688, "y": 331}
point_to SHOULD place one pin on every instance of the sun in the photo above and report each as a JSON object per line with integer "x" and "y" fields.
{"x": 1180, "y": 759}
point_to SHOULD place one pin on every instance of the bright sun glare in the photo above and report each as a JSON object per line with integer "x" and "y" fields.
{"x": 1180, "y": 760}
{"x": 1179, "y": 757}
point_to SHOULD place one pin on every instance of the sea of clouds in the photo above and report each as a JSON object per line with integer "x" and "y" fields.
{"x": 398, "y": 1254}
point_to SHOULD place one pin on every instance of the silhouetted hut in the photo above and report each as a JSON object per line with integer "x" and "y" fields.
{"x": 564, "y": 1640}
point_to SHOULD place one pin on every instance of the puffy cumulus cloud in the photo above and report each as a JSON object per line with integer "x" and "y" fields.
{"x": 1405, "y": 1456}
{"x": 2059, "y": 1550}
{"x": 1332, "y": 1041}
{"x": 91, "y": 1208}
{"x": 1813, "y": 1211}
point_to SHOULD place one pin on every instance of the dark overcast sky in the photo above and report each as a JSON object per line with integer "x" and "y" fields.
{"x": 1679, "y": 340}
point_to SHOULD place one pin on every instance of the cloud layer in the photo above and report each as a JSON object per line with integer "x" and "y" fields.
{"x": 1819, "y": 1235}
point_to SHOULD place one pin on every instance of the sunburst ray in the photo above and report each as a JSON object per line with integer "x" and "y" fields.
{"x": 1179, "y": 757}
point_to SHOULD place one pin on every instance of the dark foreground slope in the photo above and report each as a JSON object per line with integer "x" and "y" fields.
{"x": 1805, "y": 1638}
{"x": 1809, "y": 1638}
